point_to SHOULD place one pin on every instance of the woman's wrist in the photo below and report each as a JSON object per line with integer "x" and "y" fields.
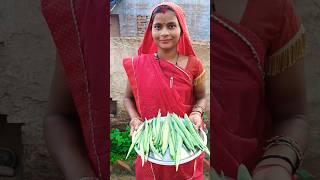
{"x": 196, "y": 113}
{"x": 270, "y": 166}
{"x": 198, "y": 109}
{"x": 283, "y": 161}
{"x": 136, "y": 118}
{"x": 283, "y": 146}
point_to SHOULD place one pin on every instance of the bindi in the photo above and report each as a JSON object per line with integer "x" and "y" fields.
{"x": 163, "y": 9}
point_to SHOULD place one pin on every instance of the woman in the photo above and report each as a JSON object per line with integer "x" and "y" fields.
{"x": 258, "y": 88}
{"x": 165, "y": 75}
{"x": 75, "y": 126}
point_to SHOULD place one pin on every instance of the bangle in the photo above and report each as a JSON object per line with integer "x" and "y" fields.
{"x": 291, "y": 143}
{"x": 299, "y": 159}
{"x": 132, "y": 119}
{"x": 196, "y": 112}
{"x": 275, "y": 156}
{"x": 136, "y": 118}
{"x": 199, "y": 110}
{"x": 198, "y": 106}
{"x": 265, "y": 166}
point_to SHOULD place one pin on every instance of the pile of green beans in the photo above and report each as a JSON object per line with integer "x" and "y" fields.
{"x": 157, "y": 135}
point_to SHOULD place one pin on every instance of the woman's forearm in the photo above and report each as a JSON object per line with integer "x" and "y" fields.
{"x": 65, "y": 144}
{"x": 131, "y": 108}
{"x": 296, "y": 128}
{"x": 200, "y": 95}
{"x": 286, "y": 96}
{"x": 201, "y": 102}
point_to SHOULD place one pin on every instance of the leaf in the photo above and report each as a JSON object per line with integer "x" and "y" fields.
{"x": 304, "y": 175}
{"x": 243, "y": 173}
{"x": 222, "y": 176}
{"x": 120, "y": 142}
{"x": 213, "y": 175}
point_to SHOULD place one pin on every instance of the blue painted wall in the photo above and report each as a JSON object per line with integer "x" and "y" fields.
{"x": 197, "y": 16}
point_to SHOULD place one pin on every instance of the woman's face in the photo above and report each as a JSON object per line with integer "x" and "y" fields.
{"x": 166, "y": 30}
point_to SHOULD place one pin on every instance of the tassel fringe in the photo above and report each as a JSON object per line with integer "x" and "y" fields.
{"x": 288, "y": 55}
{"x": 199, "y": 79}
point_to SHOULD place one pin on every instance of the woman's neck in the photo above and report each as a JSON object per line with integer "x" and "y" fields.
{"x": 168, "y": 55}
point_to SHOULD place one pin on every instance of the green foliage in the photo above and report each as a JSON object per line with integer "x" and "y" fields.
{"x": 214, "y": 175}
{"x": 205, "y": 117}
{"x": 243, "y": 173}
{"x": 120, "y": 142}
{"x": 304, "y": 175}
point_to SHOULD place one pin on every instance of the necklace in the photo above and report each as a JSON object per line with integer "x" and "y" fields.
{"x": 156, "y": 56}
{"x": 177, "y": 58}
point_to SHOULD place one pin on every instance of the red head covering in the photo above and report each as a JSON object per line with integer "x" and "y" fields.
{"x": 184, "y": 45}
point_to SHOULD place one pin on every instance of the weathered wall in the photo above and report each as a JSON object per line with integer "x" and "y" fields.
{"x": 6, "y": 17}
{"x": 27, "y": 62}
{"x": 131, "y": 12}
{"x": 26, "y": 66}
{"x": 310, "y": 15}
{"x": 127, "y": 47}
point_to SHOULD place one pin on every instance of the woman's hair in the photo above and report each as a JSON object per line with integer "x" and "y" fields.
{"x": 160, "y": 9}
{"x": 213, "y": 7}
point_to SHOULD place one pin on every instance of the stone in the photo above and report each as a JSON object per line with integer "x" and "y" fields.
{"x": 122, "y": 166}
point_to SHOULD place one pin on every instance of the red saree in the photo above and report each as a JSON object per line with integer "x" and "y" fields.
{"x": 240, "y": 103}
{"x": 150, "y": 83}
{"x": 79, "y": 31}
{"x": 244, "y": 55}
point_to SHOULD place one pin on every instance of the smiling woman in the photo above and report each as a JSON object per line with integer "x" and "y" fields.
{"x": 166, "y": 75}
{"x": 166, "y": 33}
{"x": 166, "y": 30}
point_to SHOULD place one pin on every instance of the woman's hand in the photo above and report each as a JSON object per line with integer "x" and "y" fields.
{"x": 196, "y": 119}
{"x": 272, "y": 173}
{"x": 134, "y": 125}
{"x": 272, "y": 169}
